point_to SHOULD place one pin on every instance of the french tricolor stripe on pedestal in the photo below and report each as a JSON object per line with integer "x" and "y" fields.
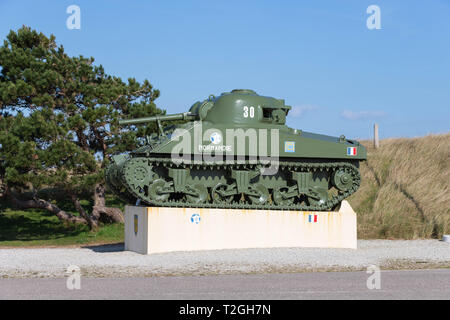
{"x": 312, "y": 218}
{"x": 351, "y": 151}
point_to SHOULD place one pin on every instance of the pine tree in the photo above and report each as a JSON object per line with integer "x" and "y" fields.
{"x": 59, "y": 124}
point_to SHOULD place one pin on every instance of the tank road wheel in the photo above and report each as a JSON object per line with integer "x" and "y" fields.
{"x": 197, "y": 193}
{"x": 258, "y": 194}
{"x": 281, "y": 198}
{"x": 317, "y": 196}
{"x": 156, "y": 190}
{"x": 221, "y": 193}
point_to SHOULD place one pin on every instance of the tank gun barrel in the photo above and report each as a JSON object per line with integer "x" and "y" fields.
{"x": 188, "y": 116}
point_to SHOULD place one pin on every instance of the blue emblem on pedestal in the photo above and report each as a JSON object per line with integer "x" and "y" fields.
{"x": 195, "y": 218}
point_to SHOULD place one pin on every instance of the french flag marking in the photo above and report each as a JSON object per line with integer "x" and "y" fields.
{"x": 312, "y": 218}
{"x": 351, "y": 151}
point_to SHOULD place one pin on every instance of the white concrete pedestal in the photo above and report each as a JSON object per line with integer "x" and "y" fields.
{"x": 155, "y": 229}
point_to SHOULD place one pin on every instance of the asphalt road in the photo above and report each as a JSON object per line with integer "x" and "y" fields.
{"x": 414, "y": 284}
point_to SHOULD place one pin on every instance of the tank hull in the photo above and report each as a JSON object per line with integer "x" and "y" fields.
{"x": 258, "y": 141}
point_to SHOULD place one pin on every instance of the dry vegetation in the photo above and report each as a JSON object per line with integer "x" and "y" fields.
{"x": 405, "y": 189}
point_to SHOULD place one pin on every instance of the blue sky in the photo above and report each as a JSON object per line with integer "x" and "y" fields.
{"x": 319, "y": 56}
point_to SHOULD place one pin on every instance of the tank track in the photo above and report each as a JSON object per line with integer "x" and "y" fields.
{"x": 330, "y": 204}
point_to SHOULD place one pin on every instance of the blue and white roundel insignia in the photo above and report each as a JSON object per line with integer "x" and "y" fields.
{"x": 289, "y": 146}
{"x": 195, "y": 218}
{"x": 216, "y": 138}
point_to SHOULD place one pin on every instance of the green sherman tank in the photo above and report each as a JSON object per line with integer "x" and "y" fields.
{"x": 235, "y": 151}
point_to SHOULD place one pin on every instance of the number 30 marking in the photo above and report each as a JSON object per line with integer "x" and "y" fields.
{"x": 246, "y": 112}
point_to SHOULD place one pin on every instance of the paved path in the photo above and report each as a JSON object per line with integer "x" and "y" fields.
{"x": 416, "y": 284}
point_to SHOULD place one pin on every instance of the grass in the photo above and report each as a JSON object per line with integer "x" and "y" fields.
{"x": 405, "y": 189}
{"x": 41, "y": 228}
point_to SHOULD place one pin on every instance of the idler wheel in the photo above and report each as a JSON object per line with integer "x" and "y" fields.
{"x": 199, "y": 194}
{"x": 342, "y": 180}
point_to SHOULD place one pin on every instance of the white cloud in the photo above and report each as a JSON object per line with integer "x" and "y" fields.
{"x": 298, "y": 111}
{"x": 362, "y": 115}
